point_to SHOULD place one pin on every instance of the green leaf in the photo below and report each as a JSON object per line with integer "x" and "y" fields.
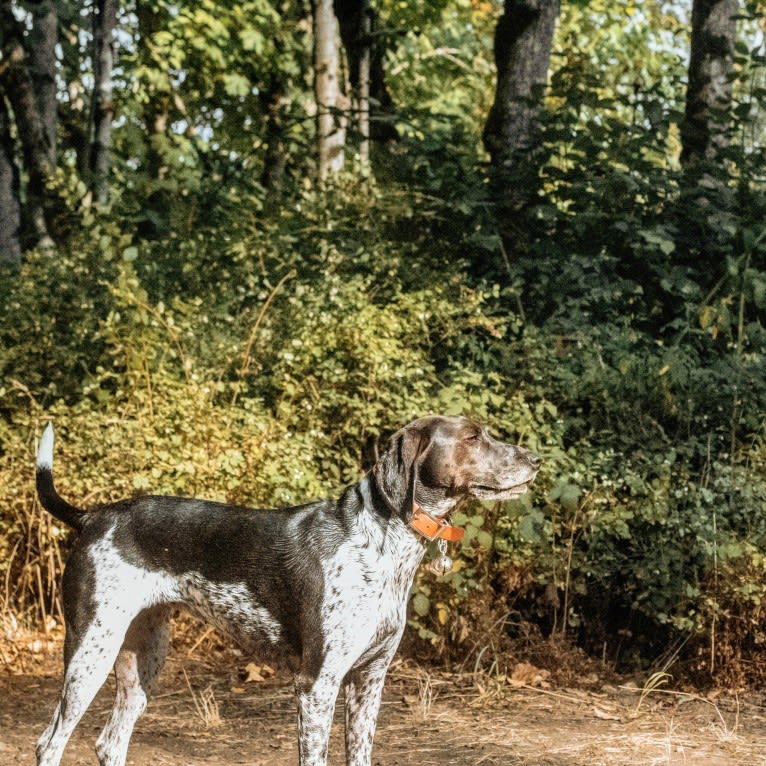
{"x": 236, "y": 85}
{"x": 484, "y": 539}
{"x": 252, "y": 40}
{"x": 570, "y": 497}
{"x": 530, "y": 526}
{"x": 421, "y": 604}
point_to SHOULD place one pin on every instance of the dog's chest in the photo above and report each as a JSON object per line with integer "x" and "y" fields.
{"x": 367, "y": 585}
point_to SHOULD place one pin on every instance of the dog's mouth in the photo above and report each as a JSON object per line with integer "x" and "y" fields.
{"x": 486, "y": 492}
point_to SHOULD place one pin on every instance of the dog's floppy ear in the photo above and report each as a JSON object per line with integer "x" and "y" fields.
{"x": 396, "y": 472}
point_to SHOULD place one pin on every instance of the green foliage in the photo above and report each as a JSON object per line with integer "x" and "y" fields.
{"x": 643, "y": 282}
{"x": 199, "y": 337}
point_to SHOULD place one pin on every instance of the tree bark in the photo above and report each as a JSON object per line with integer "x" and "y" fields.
{"x": 275, "y": 161}
{"x": 43, "y": 38}
{"x": 10, "y": 209}
{"x": 102, "y": 105}
{"x": 156, "y": 110}
{"x": 354, "y": 21}
{"x": 523, "y": 41}
{"x": 156, "y": 118}
{"x": 331, "y": 130}
{"x": 382, "y": 109}
{"x": 709, "y": 90}
{"x": 363, "y": 87}
{"x": 364, "y": 51}
{"x": 17, "y": 82}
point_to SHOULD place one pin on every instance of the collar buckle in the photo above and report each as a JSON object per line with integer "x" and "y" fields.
{"x": 432, "y": 528}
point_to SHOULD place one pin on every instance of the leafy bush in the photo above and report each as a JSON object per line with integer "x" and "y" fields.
{"x": 202, "y": 339}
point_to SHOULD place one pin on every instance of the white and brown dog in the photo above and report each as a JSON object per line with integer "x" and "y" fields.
{"x": 325, "y": 584}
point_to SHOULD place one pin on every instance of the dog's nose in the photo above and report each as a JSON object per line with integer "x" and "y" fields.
{"x": 534, "y": 459}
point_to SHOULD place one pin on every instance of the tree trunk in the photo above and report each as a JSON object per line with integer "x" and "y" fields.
{"x": 331, "y": 131}
{"x": 156, "y": 110}
{"x": 523, "y": 41}
{"x": 374, "y": 106}
{"x": 19, "y": 88}
{"x": 156, "y": 117}
{"x": 275, "y": 161}
{"x": 709, "y": 91}
{"x": 363, "y": 87}
{"x": 10, "y": 209}
{"x": 43, "y": 38}
{"x": 354, "y": 20}
{"x": 102, "y": 109}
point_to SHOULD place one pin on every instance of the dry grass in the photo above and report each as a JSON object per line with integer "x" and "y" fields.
{"x": 652, "y": 684}
{"x": 205, "y": 704}
{"x": 425, "y": 694}
{"x": 645, "y": 725}
{"x": 663, "y": 727}
{"x": 429, "y": 718}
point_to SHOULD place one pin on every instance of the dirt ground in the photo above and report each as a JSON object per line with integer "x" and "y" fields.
{"x": 210, "y": 714}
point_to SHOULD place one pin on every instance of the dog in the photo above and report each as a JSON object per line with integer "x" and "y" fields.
{"x": 324, "y": 584}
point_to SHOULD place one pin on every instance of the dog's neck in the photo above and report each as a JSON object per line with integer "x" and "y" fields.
{"x": 423, "y": 524}
{"x": 374, "y": 503}
{"x": 431, "y": 501}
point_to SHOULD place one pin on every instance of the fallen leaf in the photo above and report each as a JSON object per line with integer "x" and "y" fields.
{"x": 526, "y": 674}
{"x": 258, "y": 673}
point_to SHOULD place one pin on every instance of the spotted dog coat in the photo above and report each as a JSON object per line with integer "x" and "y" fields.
{"x": 325, "y": 584}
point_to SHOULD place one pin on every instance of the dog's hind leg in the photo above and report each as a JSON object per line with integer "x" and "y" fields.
{"x": 137, "y": 666}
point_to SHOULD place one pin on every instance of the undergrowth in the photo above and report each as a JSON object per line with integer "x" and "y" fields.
{"x": 264, "y": 359}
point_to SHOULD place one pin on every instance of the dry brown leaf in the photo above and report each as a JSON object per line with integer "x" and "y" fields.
{"x": 258, "y": 673}
{"x": 526, "y": 674}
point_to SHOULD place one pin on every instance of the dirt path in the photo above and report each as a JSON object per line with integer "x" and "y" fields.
{"x": 429, "y": 720}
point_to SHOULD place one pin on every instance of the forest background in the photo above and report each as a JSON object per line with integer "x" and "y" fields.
{"x": 242, "y": 242}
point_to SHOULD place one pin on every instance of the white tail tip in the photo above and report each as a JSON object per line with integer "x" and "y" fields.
{"x": 45, "y": 450}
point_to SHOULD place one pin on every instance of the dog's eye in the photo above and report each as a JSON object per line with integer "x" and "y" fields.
{"x": 472, "y": 437}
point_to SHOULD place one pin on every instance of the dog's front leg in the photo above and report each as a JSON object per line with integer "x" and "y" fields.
{"x": 363, "y": 690}
{"x": 316, "y": 706}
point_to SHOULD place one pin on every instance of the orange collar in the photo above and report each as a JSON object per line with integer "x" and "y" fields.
{"x": 430, "y": 528}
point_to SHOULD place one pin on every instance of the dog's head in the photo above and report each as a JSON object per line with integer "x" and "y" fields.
{"x": 436, "y": 461}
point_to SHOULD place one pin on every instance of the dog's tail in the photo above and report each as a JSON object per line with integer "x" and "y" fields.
{"x": 50, "y": 499}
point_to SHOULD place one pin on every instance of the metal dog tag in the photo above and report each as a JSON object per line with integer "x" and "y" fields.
{"x": 442, "y": 564}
